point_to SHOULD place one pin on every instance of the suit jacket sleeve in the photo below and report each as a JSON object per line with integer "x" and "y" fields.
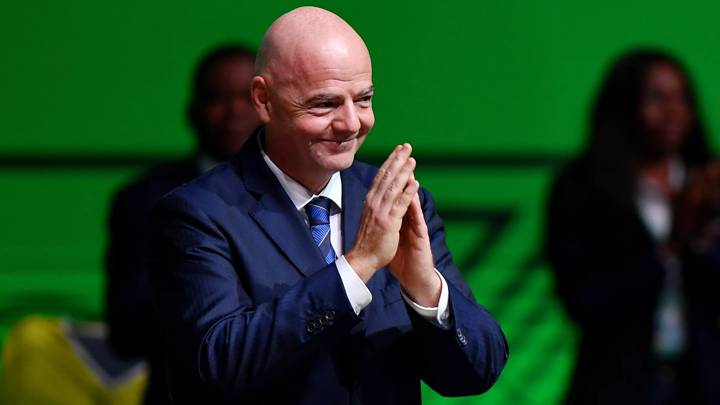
{"x": 213, "y": 330}
{"x": 466, "y": 359}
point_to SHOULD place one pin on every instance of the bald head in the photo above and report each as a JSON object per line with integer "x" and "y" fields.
{"x": 312, "y": 91}
{"x": 306, "y": 33}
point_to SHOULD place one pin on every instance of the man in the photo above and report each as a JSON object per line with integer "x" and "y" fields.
{"x": 222, "y": 118}
{"x": 293, "y": 274}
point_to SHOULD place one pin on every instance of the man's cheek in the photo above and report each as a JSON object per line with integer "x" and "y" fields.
{"x": 368, "y": 120}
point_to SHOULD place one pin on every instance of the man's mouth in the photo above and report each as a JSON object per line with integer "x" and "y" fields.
{"x": 338, "y": 141}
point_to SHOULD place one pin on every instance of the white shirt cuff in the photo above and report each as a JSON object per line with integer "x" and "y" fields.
{"x": 438, "y": 315}
{"x": 357, "y": 292}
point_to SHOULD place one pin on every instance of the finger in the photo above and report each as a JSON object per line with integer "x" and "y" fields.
{"x": 396, "y": 159}
{"x": 390, "y": 191}
{"x": 383, "y": 169}
{"x": 385, "y": 178}
{"x": 401, "y": 204}
{"x": 419, "y": 225}
{"x": 393, "y": 176}
{"x": 389, "y": 160}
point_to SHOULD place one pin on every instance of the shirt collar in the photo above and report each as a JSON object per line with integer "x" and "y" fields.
{"x": 300, "y": 195}
{"x": 205, "y": 163}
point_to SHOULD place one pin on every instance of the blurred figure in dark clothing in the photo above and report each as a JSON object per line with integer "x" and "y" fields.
{"x": 633, "y": 239}
{"x": 222, "y": 118}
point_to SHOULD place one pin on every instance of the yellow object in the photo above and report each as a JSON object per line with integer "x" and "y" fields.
{"x": 45, "y": 363}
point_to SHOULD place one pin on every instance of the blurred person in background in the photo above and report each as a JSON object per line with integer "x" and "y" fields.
{"x": 222, "y": 117}
{"x": 632, "y": 236}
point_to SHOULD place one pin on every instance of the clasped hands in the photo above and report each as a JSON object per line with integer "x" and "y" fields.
{"x": 697, "y": 208}
{"x": 393, "y": 232}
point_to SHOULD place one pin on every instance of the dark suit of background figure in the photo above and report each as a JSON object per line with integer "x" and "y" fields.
{"x": 221, "y": 116}
{"x": 609, "y": 276}
{"x": 133, "y": 329}
{"x": 252, "y": 314}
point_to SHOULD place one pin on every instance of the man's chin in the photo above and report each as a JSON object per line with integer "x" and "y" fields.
{"x": 341, "y": 164}
{"x": 337, "y": 157}
{"x": 338, "y": 162}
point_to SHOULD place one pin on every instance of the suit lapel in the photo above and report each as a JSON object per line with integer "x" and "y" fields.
{"x": 353, "y": 196}
{"x": 276, "y": 214}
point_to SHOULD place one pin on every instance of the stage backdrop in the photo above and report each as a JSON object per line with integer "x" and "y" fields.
{"x": 493, "y": 95}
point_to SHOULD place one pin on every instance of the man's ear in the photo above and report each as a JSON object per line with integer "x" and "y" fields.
{"x": 260, "y": 98}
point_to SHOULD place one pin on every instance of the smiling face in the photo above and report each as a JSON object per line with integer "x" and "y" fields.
{"x": 315, "y": 100}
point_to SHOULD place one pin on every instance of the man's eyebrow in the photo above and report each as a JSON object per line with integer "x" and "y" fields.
{"x": 367, "y": 90}
{"x": 329, "y": 97}
{"x": 323, "y": 97}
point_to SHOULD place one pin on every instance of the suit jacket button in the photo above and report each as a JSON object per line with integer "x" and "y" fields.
{"x": 310, "y": 328}
{"x": 329, "y": 314}
{"x": 460, "y": 337}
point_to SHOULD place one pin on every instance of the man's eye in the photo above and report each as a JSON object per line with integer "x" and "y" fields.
{"x": 325, "y": 105}
{"x": 364, "y": 100}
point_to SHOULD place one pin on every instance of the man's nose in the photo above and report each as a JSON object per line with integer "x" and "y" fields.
{"x": 347, "y": 119}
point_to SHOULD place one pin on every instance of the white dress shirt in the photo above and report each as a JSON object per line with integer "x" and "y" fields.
{"x": 357, "y": 292}
{"x": 655, "y": 209}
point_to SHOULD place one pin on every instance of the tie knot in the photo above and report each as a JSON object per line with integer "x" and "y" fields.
{"x": 318, "y": 211}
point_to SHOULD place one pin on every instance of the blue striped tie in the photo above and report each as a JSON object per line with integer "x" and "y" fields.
{"x": 318, "y": 212}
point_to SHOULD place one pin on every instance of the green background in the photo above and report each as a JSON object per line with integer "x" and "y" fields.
{"x": 490, "y": 94}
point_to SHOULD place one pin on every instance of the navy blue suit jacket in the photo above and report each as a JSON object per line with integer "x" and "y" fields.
{"x": 252, "y": 314}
